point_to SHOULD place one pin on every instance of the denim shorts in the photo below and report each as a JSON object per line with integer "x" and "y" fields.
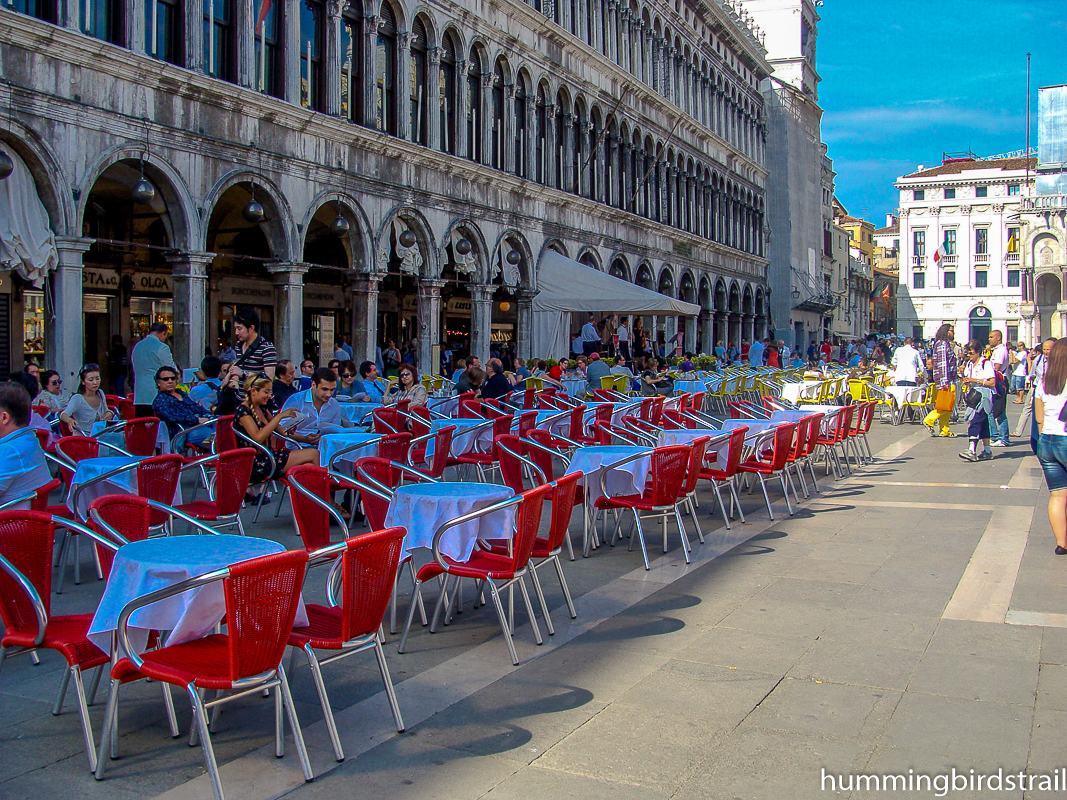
{"x": 1052, "y": 453}
{"x": 1018, "y": 383}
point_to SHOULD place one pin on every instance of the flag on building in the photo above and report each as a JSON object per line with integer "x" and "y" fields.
{"x": 1013, "y": 240}
{"x": 941, "y": 252}
{"x": 885, "y": 298}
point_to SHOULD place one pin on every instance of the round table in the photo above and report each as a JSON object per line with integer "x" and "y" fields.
{"x": 122, "y": 483}
{"x": 422, "y": 508}
{"x": 575, "y": 387}
{"x": 357, "y": 411}
{"x": 146, "y": 566}
{"x": 630, "y": 478}
{"x": 465, "y": 439}
{"x": 332, "y": 443}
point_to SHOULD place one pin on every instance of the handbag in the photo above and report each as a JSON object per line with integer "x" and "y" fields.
{"x": 973, "y": 398}
{"x": 945, "y": 400}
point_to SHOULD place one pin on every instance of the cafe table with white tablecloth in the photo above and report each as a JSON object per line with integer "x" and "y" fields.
{"x": 714, "y": 456}
{"x": 122, "y": 483}
{"x": 555, "y": 422}
{"x": 149, "y": 565}
{"x": 630, "y": 478}
{"x": 792, "y": 391}
{"x": 422, "y": 508}
{"x": 332, "y": 443}
{"x": 118, "y": 438}
{"x": 680, "y": 387}
{"x": 575, "y": 387}
{"x": 467, "y": 438}
{"x": 358, "y": 411}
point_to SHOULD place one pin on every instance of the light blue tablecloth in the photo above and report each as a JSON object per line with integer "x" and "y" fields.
{"x": 357, "y": 411}
{"x": 90, "y": 468}
{"x": 463, "y": 440}
{"x": 627, "y": 479}
{"x": 332, "y": 443}
{"x": 689, "y": 386}
{"x": 118, "y": 438}
{"x": 424, "y": 507}
{"x": 152, "y": 564}
{"x": 575, "y": 388}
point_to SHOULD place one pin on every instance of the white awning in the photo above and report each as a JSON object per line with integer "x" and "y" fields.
{"x": 566, "y": 287}
{"x": 26, "y": 241}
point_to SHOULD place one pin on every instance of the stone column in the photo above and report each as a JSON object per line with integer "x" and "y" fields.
{"x": 244, "y": 23}
{"x": 429, "y": 323}
{"x": 507, "y": 135}
{"x": 734, "y": 327}
{"x": 370, "y": 45}
{"x": 524, "y": 324}
{"x": 596, "y": 39}
{"x": 365, "y": 315}
{"x": 707, "y": 329}
{"x": 551, "y": 145}
{"x": 487, "y": 118}
{"x": 481, "y": 320}
{"x": 193, "y": 14}
{"x": 691, "y": 344}
{"x": 290, "y": 47}
{"x": 670, "y": 330}
{"x": 433, "y": 103}
{"x": 403, "y": 86}
{"x": 530, "y": 144}
{"x": 136, "y": 36}
{"x": 332, "y": 59}
{"x": 656, "y": 67}
{"x": 189, "y": 279}
{"x": 748, "y": 327}
{"x": 568, "y": 153}
{"x": 288, "y": 279}
{"x": 63, "y": 335}
{"x": 461, "y": 111}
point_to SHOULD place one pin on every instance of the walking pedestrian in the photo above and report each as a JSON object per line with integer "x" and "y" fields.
{"x": 1038, "y": 366}
{"x": 999, "y": 414}
{"x": 943, "y": 367}
{"x": 979, "y": 374}
{"x": 1050, "y": 396}
{"x": 1020, "y": 366}
{"x": 148, "y": 356}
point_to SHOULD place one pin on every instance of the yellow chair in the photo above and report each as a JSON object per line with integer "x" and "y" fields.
{"x": 535, "y": 383}
{"x": 920, "y": 398}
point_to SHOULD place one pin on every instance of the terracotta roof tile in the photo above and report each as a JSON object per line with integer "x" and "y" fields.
{"x": 958, "y": 167}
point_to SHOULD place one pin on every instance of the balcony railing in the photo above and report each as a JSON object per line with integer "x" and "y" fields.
{"x": 981, "y": 258}
{"x": 918, "y": 262}
{"x": 949, "y": 261}
{"x": 1045, "y": 202}
{"x": 1012, "y": 258}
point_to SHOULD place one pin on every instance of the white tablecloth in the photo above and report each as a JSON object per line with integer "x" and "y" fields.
{"x": 118, "y": 438}
{"x": 332, "y": 443}
{"x": 357, "y": 411}
{"x": 422, "y": 508}
{"x": 465, "y": 439}
{"x": 714, "y": 456}
{"x": 630, "y": 478}
{"x": 903, "y": 394}
{"x": 681, "y": 387}
{"x": 791, "y": 391}
{"x": 152, "y": 564}
{"x": 555, "y": 422}
{"x": 576, "y": 387}
{"x": 123, "y": 483}
{"x": 447, "y": 406}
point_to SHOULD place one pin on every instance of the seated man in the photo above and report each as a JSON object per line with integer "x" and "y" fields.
{"x": 284, "y": 383}
{"x": 596, "y": 370}
{"x": 24, "y": 469}
{"x": 178, "y": 410}
{"x": 621, "y": 368}
{"x": 206, "y": 393}
{"x": 368, "y": 387}
{"x": 318, "y": 409}
{"x": 498, "y": 384}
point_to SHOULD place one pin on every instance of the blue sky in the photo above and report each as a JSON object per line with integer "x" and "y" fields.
{"x": 904, "y": 82}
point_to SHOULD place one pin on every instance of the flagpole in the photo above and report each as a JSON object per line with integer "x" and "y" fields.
{"x": 1028, "y": 123}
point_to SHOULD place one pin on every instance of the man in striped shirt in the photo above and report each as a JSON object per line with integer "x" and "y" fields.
{"x": 254, "y": 353}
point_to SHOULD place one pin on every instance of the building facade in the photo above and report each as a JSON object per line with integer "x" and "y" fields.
{"x": 1044, "y": 244}
{"x": 886, "y": 272}
{"x": 960, "y": 259}
{"x": 853, "y": 314}
{"x": 386, "y": 170}
{"x": 800, "y": 193}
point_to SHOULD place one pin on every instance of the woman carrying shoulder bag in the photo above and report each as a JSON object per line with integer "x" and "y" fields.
{"x": 979, "y": 378}
{"x": 1050, "y": 400}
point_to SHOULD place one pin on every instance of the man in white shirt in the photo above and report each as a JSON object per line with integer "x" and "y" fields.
{"x": 907, "y": 364}
{"x": 784, "y": 352}
{"x": 1038, "y": 365}
{"x": 590, "y": 337}
{"x": 624, "y": 337}
{"x": 318, "y": 409}
{"x": 999, "y": 417}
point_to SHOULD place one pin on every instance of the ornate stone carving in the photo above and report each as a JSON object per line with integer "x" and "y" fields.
{"x": 935, "y": 210}
{"x": 464, "y": 264}
{"x": 435, "y": 55}
{"x": 965, "y": 209}
{"x": 998, "y": 208}
{"x": 1013, "y": 308}
{"x": 410, "y": 257}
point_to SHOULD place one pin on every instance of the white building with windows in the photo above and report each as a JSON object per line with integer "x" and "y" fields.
{"x": 966, "y": 213}
{"x": 389, "y": 169}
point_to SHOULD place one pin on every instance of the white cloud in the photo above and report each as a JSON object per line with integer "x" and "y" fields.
{"x": 880, "y": 123}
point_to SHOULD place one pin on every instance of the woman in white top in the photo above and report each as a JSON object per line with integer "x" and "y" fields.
{"x": 1020, "y": 366}
{"x": 50, "y": 387}
{"x": 978, "y": 373}
{"x": 88, "y": 404}
{"x": 1050, "y": 396}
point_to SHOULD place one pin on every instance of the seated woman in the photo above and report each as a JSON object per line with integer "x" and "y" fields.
{"x": 347, "y": 387}
{"x": 409, "y": 388}
{"x": 255, "y": 421}
{"x": 88, "y": 404}
{"x": 49, "y": 394}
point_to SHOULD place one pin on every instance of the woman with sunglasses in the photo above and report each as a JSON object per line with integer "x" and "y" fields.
{"x": 88, "y": 405}
{"x": 408, "y": 388}
{"x": 255, "y": 421}
{"x": 347, "y": 386}
{"x": 49, "y": 395}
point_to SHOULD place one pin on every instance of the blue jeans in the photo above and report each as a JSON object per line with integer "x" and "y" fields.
{"x": 195, "y": 438}
{"x": 1052, "y": 453}
{"x": 1001, "y": 424}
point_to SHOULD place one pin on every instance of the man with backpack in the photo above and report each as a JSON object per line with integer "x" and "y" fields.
{"x": 999, "y": 357}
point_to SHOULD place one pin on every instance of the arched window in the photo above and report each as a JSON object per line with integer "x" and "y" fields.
{"x": 312, "y": 75}
{"x": 498, "y": 116}
{"x": 522, "y": 169}
{"x": 352, "y": 64}
{"x": 475, "y": 119}
{"x": 385, "y": 72}
{"x": 419, "y": 95}
{"x": 541, "y": 137}
{"x": 270, "y": 71}
{"x": 219, "y": 39}
{"x": 592, "y": 163}
{"x": 164, "y": 30}
{"x": 578, "y": 154}
{"x": 448, "y": 92}
{"x": 562, "y": 132}
{"x": 104, "y": 19}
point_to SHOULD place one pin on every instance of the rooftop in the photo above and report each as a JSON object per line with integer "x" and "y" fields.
{"x": 959, "y": 166}
{"x": 887, "y": 231}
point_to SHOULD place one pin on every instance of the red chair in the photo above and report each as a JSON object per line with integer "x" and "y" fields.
{"x": 387, "y": 420}
{"x": 657, "y": 409}
{"x": 420, "y": 420}
{"x": 233, "y": 474}
{"x": 156, "y": 478}
{"x": 677, "y": 420}
{"x": 395, "y": 446}
{"x": 649, "y": 430}
{"x": 836, "y": 436}
{"x": 660, "y": 498}
{"x": 127, "y": 410}
{"x": 470, "y": 408}
{"x": 865, "y": 428}
{"x": 224, "y": 436}
{"x": 140, "y": 435}
{"x": 689, "y": 486}
{"x": 576, "y": 429}
{"x": 762, "y": 463}
{"x": 512, "y": 453}
{"x": 527, "y": 422}
{"x": 735, "y": 451}
{"x": 497, "y": 571}
{"x": 368, "y": 568}
{"x": 485, "y": 462}
{"x": 42, "y": 411}
{"x": 310, "y": 488}
{"x": 645, "y": 409}
{"x": 262, "y": 595}
{"x": 696, "y": 402}
{"x": 442, "y": 453}
{"x": 26, "y": 543}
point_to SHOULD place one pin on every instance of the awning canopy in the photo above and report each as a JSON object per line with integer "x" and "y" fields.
{"x": 26, "y": 241}
{"x": 566, "y": 285}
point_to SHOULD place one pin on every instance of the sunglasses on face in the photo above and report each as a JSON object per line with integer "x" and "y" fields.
{"x": 347, "y": 375}
{"x": 168, "y": 377}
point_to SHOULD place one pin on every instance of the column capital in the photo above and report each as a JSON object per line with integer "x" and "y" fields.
{"x": 431, "y": 285}
{"x": 71, "y": 249}
{"x": 435, "y": 55}
{"x": 481, "y": 293}
{"x": 403, "y": 40}
{"x": 287, "y": 273}
{"x": 525, "y": 295}
{"x": 189, "y": 264}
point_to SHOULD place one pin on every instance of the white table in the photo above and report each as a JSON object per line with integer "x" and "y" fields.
{"x": 575, "y": 387}
{"x": 118, "y": 438}
{"x": 466, "y": 439}
{"x": 332, "y": 443}
{"x": 680, "y": 387}
{"x": 152, "y": 564}
{"x": 714, "y": 456}
{"x": 792, "y": 391}
{"x": 630, "y": 478}
{"x": 123, "y": 483}
{"x": 357, "y": 411}
{"x": 422, "y": 508}
{"x": 555, "y": 422}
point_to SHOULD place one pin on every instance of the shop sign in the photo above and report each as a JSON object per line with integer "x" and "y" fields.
{"x": 502, "y": 332}
{"x": 323, "y": 296}
{"x": 94, "y": 304}
{"x": 156, "y": 282}
{"x": 387, "y": 304}
{"x": 460, "y": 306}
{"x": 243, "y": 292}
{"x": 96, "y": 279}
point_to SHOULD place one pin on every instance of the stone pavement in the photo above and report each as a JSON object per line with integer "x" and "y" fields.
{"x": 912, "y": 617}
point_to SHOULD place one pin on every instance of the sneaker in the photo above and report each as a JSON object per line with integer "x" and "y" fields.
{"x": 985, "y": 455}
{"x": 967, "y": 455}
{"x": 998, "y": 443}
